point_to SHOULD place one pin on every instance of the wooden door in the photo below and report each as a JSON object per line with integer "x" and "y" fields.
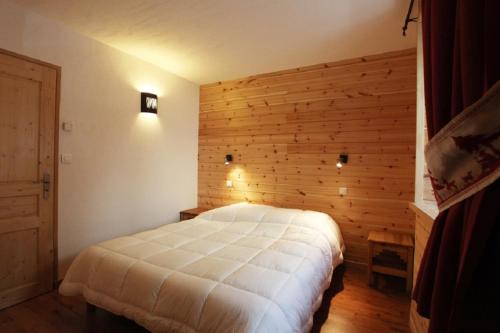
{"x": 28, "y": 96}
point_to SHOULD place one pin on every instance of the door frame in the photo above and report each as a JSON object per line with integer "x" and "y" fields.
{"x": 58, "y": 70}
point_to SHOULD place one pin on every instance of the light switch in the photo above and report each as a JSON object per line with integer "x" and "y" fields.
{"x": 342, "y": 191}
{"x": 229, "y": 183}
{"x": 67, "y": 126}
{"x": 66, "y": 158}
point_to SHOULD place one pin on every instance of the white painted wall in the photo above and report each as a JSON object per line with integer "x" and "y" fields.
{"x": 424, "y": 194}
{"x": 420, "y": 141}
{"x": 130, "y": 171}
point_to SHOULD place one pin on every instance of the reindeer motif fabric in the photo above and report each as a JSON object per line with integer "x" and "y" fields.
{"x": 464, "y": 156}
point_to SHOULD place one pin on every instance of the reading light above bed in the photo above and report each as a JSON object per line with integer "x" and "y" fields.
{"x": 149, "y": 103}
{"x": 342, "y": 160}
{"x": 228, "y": 159}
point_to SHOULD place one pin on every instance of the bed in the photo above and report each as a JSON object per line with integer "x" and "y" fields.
{"x": 238, "y": 268}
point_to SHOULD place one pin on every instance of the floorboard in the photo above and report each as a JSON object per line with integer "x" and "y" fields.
{"x": 349, "y": 306}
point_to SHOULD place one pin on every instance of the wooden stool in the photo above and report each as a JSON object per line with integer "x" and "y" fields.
{"x": 391, "y": 254}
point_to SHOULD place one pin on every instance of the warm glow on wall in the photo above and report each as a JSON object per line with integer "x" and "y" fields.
{"x": 147, "y": 125}
{"x": 161, "y": 56}
{"x": 237, "y": 183}
{"x": 144, "y": 85}
{"x": 147, "y": 117}
{"x": 237, "y": 175}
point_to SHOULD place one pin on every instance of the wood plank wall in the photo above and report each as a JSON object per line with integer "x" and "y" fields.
{"x": 423, "y": 226}
{"x": 286, "y": 129}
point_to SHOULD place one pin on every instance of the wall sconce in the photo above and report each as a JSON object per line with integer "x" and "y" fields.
{"x": 228, "y": 159}
{"x": 149, "y": 103}
{"x": 342, "y": 160}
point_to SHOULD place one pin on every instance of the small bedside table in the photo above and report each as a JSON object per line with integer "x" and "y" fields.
{"x": 391, "y": 254}
{"x": 189, "y": 214}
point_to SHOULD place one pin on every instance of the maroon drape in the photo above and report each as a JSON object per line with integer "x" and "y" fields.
{"x": 458, "y": 286}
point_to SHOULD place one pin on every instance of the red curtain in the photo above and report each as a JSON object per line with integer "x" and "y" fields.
{"x": 458, "y": 286}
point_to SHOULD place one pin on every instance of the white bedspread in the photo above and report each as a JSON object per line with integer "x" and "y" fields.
{"x": 239, "y": 268}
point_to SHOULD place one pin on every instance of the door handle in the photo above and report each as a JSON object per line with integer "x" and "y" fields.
{"x": 46, "y": 185}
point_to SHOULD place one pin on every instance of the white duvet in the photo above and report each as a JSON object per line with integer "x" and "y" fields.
{"x": 239, "y": 268}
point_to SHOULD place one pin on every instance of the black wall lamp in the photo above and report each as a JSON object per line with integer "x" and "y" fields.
{"x": 149, "y": 103}
{"x": 342, "y": 160}
{"x": 228, "y": 159}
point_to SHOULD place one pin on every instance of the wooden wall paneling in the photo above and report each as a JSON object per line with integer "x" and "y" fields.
{"x": 424, "y": 218}
{"x": 286, "y": 129}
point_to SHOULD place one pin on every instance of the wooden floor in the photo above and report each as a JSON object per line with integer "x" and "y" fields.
{"x": 349, "y": 306}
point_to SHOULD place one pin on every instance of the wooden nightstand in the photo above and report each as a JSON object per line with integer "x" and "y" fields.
{"x": 189, "y": 214}
{"x": 391, "y": 254}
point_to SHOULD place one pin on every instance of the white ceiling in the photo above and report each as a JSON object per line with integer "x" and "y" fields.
{"x": 212, "y": 40}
